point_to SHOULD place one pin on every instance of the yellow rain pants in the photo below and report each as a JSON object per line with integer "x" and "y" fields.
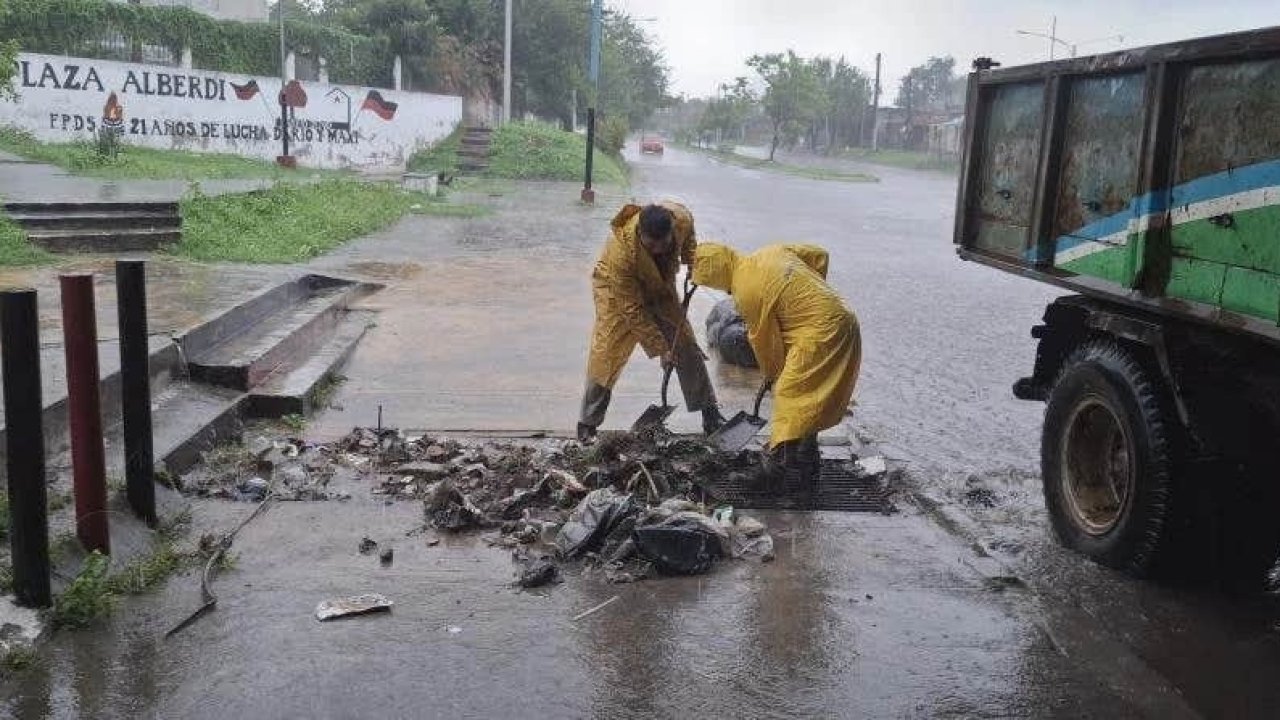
{"x": 804, "y": 337}
{"x": 631, "y": 289}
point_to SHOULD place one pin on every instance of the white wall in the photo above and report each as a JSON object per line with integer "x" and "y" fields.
{"x": 62, "y": 99}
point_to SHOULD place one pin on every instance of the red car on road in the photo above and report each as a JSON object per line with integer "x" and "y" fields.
{"x": 651, "y": 146}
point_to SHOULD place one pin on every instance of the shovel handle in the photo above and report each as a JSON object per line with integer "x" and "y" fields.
{"x": 764, "y": 388}
{"x": 689, "y": 287}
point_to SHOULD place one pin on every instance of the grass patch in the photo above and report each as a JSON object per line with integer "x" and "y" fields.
{"x": 812, "y": 173}
{"x": 907, "y": 159}
{"x": 289, "y": 222}
{"x": 59, "y": 501}
{"x": 143, "y": 574}
{"x": 19, "y": 658}
{"x": 87, "y": 599}
{"x": 539, "y": 151}
{"x": 441, "y": 157}
{"x": 132, "y": 162}
{"x": 15, "y": 249}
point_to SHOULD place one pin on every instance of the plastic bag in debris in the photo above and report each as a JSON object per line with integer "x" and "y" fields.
{"x": 592, "y": 520}
{"x": 727, "y": 333}
{"x": 686, "y": 543}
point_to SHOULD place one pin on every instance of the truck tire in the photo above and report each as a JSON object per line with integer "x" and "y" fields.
{"x": 1106, "y": 458}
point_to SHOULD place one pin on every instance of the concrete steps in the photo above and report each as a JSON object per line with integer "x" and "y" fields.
{"x": 473, "y": 152}
{"x": 268, "y": 357}
{"x": 296, "y": 389}
{"x": 99, "y": 227}
{"x": 293, "y": 329}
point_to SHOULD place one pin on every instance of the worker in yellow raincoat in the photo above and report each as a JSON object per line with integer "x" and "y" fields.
{"x": 805, "y": 338}
{"x": 634, "y": 288}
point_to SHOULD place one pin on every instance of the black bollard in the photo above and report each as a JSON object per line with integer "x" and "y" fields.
{"x": 135, "y": 384}
{"x": 24, "y": 437}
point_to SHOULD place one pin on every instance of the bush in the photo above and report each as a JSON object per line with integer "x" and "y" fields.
{"x": 538, "y": 151}
{"x": 611, "y": 135}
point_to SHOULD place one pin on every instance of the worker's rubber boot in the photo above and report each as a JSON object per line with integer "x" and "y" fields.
{"x": 712, "y": 420}
{"x": 586, "y": 434}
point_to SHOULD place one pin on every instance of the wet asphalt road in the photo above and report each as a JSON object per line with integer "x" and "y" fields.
{"x": 912, "y": 615}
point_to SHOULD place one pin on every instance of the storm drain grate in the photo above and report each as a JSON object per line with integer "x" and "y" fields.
{"x": 839, "y": 488}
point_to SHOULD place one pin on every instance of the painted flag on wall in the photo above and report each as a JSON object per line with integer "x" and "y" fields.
{"x": 380, "y": 106}
{"x": 247, "y": 90}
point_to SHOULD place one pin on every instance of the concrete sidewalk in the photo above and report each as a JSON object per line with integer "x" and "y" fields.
{"x": 25, "y": 181}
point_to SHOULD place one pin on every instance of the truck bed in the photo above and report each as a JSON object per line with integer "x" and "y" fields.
{"x": 1149, "y": 177}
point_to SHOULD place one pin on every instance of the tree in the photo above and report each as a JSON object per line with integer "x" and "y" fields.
{"x": 926, "y": 88}
{"x": 793, "y": 95}
{"x": 8, "y": 65}
{"x": 848, "y": 92}
{"x": 730, "y": 110}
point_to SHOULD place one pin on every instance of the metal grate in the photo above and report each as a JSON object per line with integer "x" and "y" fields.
{"x": 838, "y": 488}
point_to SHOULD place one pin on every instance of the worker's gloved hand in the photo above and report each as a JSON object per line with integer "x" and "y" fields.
{"x": 668, "y": 360}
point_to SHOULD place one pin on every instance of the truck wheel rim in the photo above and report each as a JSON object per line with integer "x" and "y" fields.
{"x": 1097, "y": 467}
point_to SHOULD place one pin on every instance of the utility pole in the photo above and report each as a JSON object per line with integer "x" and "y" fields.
{"x": 1053, "y": 36}
{"x": 593, "y": 74}
{"x": 506, "y": 70}
{"x": 284, "y": 158}
{"x": 875, "y": 108}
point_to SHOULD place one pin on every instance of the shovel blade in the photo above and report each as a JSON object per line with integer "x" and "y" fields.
{"x": 736, "y": 432}
{"x": 653, "y": 416}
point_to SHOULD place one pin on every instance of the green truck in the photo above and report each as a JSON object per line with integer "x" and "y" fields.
{"x": 1147, "y": 184}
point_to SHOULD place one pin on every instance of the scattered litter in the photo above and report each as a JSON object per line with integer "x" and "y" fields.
{"x": 367, "y": 545}
{"x": 453, "y": 630}
{"x": 387, "y": 556}
{"x": 723, "y": 516}
{"x": 684, "y": 544}
{"x": 357, "y": 605}
{"x": 871, "y": 466}
{"x": 433, "y": 541}
{"x": 596, "y": 609}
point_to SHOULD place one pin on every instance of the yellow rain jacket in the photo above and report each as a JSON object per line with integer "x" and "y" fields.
{"x": 804, "y": 337}
{"x": 631, "y": 288}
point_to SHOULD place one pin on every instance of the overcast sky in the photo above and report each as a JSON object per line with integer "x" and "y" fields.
{"x": 706, "y": 41}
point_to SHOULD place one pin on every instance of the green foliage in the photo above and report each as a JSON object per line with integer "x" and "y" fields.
{"x": 8, "y": 55}
{"x": 928, "y": 87}
{"x": 793, "y": 95}
{"x": 538, "y": 151}
{"x": 79, "y": 27}
{"x": 289, "y": 222}
{"x": 130, "y": 162}
{"x": 611, "y": 135}
{"x": 294, "y": 421}
{"x": 145, "y": 573}
{"x": 87, "y": 599}
{"x": 728, "y": 112}
{"x": 19, "y": 658}
{"x": 441, "y": 157}
{"x": 16, "y": 250}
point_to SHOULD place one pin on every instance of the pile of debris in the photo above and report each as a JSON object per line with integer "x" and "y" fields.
{"x": 629, "y": 505}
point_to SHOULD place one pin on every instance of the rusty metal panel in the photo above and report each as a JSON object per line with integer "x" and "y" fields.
{"x": 1100, "y": 174}
{"x": 1230, "y": 118}
{"x": 1002, "y": 201}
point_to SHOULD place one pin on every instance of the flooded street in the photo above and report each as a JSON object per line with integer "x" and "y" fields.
{"x": 945, "y": 609}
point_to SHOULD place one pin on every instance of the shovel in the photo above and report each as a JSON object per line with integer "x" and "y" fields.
{"x": 655, "y": 415}
{"x": 739, "y": 429}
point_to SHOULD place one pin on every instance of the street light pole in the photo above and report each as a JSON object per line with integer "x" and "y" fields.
{"x": 284, "y": 158}
{"x": 1055, "y": 41}
{"x": 593, "y": 74}
{"x": 506, "y": 70}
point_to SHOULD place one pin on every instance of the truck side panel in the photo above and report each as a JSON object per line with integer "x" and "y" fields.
{"x": 1195, "y": 232}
